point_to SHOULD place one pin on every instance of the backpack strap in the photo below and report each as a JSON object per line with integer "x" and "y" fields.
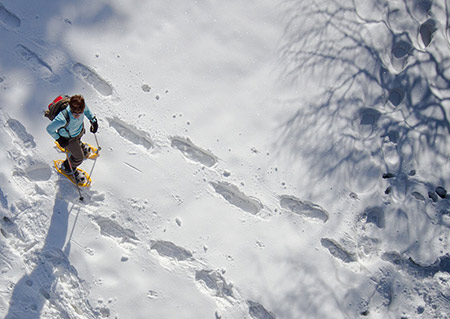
{"x": 67, "y": 117}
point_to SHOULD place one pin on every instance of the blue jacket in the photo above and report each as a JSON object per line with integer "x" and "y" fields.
{"x": 56, "y": 127}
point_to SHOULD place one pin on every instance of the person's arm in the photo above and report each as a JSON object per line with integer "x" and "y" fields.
{"x": 89, "y": 115}
{"x": 92, "y": 119}
{"x": 53, "y": 127}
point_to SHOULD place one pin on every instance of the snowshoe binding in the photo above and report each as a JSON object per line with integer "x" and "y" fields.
{"x": 89, "y": 151}
{"x": 78, "y": 176}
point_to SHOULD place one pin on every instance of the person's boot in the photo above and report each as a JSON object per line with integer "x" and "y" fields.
{"x": 79, "y": 178}
{"x": 65, "y": 167}
{"x": 86, "y": 150}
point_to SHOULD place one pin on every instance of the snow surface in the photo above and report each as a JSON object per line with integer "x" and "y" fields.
{"x": 259, "y": 159}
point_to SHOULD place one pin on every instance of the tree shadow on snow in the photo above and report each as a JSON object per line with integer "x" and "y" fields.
{"x": 380, "y": 105}
{"x": 382, "y": 89}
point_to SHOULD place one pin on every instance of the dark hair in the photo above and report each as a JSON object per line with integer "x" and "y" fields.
{"x": 77, "y": 104}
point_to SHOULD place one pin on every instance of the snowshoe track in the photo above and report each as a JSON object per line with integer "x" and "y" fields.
{"x": 8, "y": 18}
{"x": 236, "y": 198}
{"x": 131, "y": 133}
{"x": 338, "y": 251}
{"x": 36, "y": 63}
{"x": 21, "y": 132}
{"x": 109, "y": 227}
{"x": 193, "y": 152}
{"x": 170, "y": 250}
{"x": 303, "y": 208}
{"x": 92, "y": 78}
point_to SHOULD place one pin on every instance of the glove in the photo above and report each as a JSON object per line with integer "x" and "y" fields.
{"x": 63, "y": 142}
{"x": 94, "y": 125}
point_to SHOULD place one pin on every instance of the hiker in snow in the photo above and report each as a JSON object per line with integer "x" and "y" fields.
{"x": 67, "y": 128}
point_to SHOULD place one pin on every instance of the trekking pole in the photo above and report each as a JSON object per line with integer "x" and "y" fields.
{"x": 73, "y": 176}
{"x": 96, "y": 141}
{"x": 97, "y": 152}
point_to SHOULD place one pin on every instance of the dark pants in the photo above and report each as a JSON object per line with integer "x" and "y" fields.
{"x": 75, "y": 150}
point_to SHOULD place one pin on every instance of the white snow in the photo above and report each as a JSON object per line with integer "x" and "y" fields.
{"x": 259, "y": 159}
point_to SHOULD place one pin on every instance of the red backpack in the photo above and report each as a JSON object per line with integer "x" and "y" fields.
{"x": 54, "y": 108}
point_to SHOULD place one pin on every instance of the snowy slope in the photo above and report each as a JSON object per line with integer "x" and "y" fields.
{"x": 259, "y": 159}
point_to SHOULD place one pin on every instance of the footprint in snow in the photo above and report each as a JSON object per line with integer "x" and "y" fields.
{"x": 9, "y": 228}
{"x": 8, "y": 18}
{"x": 34, "y": 170}
{"x": 131, "y": 133}
{"x": 417, "y": 195}
{"x": 365, "y": 121}
{"x": 3, "y": 199}
{"x": 235, "y": 197}
{"x": 304, "y": 208}
{"x": 193, "y": 152}
{"x": 214, "y": 281}
{"x": 426, "y": 33}
{"x": 109, "y": 227}
{"x": 38, "y": 171}
{"x": 396, "y": 96}
{"x": 400, "y": 53}
{"x": 93, "y": 79}
{"x": 337, "y": 250}
{"x": 257, "y": 311}
{"x": 21, "y": 132}
{"x": 369, "y": 116}
{"x": 383, "y": 294}
{"x": 35, "y": 62}
{"x": 420, "y": 9}
{"x": 442, "y": 264}
{"x": 374, "y": 215}
{"x": 170, "y": 250}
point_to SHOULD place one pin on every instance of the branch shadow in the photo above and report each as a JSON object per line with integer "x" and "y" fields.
{"x": 309, "y": 296}
{"x": 382, "y": 100}
{"x": 378, "y": 70}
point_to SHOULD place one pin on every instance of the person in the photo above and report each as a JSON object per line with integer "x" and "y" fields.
{"x": 68, "y": 133}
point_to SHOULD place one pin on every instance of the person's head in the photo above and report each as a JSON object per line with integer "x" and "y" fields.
{"x": 77, "y": 105}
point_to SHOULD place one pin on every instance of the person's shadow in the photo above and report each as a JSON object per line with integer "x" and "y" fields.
{"x": 33, "y": 290}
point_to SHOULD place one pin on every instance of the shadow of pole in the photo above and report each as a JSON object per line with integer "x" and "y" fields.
{"x": 35, "y": 289}
{"x": 36, "y": 58}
